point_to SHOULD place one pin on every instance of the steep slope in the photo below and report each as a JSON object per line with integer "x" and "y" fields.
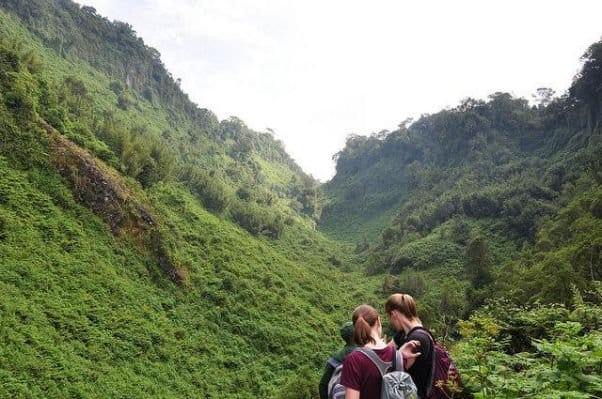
{"x": 110, "y": 177}
{"x": 87, "y": 314}
{"x": 101, "y": 196}
{"x": 415, "y": 164}
{"x": 109, "y": 92}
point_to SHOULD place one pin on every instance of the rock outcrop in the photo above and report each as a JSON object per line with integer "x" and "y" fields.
{"x": 104, "y": 191}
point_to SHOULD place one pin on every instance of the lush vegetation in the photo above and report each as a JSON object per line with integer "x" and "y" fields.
{"x": 150, "y": 250}
{"x": 94, "y": 213}
{"x": 85, "y": 314}
{"x": 102, "y": 87}
{"x": 498, "y": 195}
{"x": 493, "y": 204}
{"x": 542, "y": 351}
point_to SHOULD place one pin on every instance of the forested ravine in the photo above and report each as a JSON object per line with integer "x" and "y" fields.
{"x": 149, "y": 249}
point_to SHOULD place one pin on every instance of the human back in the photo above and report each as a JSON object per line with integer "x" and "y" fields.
{"x": 422, "y": 368}
{"x": 375, "y": 363}
{"x": 360, "y": 375}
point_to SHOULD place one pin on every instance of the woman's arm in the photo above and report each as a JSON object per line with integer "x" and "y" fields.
{"x": 351, "y": 394}
{"x": 407, "y": 353}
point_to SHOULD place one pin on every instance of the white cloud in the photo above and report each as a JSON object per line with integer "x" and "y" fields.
{"x": 315, "y": 71}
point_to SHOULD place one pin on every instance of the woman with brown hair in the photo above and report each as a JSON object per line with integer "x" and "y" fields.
{"x": 360, "y": 376}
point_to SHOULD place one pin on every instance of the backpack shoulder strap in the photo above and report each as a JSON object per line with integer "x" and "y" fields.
{"x": 397, "y": 361}
{"x": 422, "y": 331}
{"x": 334, "y": 363}
{"x": 381, "y": 365}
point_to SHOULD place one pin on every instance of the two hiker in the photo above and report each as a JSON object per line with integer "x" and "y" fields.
{"x": 364, "y": 369}
{"x": 360, "y": 375}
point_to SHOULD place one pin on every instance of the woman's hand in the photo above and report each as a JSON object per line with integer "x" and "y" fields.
{"x": 408, "y": 353}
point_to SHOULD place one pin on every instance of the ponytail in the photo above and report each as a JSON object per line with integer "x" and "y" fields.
{"x": 362, "y": 332}
{"x": 364, "y": 318}
{"x": 404, "y": 304}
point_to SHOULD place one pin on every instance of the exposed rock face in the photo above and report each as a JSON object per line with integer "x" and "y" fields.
{"x": 103, "y": 190}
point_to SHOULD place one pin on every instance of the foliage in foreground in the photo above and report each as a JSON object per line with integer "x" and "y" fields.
{"x": 546, "y": 351}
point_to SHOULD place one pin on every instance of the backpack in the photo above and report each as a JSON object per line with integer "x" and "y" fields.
{"x": 445, "y": 381}
{"x": 335, "y": 389}
{"x": 396, "y": 384}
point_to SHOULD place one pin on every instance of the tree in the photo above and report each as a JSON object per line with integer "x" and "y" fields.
{"x": 543, "y": 96}
{"x": 587, "y": 85}
{"x": 478, "y": 264}
{"x": 212, "y": 192}
{"x": 404, "y": 124}
{"x": 242, "y": 149}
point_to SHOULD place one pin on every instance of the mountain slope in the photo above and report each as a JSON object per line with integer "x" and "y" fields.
{"x": 469, "y": 193}
{"x": 97, "y": 192}
{"x": 88, "y": 314}
{"x": 149, "y": 250}
{"x": 109, "y": 92}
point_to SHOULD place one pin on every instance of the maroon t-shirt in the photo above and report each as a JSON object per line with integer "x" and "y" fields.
{"x": 361, "y": 374}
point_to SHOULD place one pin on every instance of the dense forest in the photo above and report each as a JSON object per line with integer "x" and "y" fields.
{"x": 486, "y": 211}
{"x": 505, "y": 193}
{"x": 149, "y": 249}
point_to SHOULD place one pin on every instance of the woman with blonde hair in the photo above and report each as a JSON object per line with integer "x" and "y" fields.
{"x": 401, "y": 310}
{"x": 361, "y": 376}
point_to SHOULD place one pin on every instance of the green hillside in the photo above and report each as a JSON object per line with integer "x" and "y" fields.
{"x": 148, "y": 249}
{"x": 106, "y": 90}
{"x": 489, "y": 214}
{"x": 86, "y": 314}
{"x": 494, "y": 180}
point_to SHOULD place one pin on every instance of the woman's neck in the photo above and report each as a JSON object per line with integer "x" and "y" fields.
{"x": 378, "y": 341}
{"x": 410, "y": 324}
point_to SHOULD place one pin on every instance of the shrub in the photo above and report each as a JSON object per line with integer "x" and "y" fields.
{"x": 565, "y": 363}
{"x": 147, "y": 159}
{"x": 211, "y": 191}
{"x": 125, "y": 101}
{"x": 301, "y": 386}
{"x": 596, "y": 208}
{"x": 411, "y": 282}
{"x": 257, "y": 220}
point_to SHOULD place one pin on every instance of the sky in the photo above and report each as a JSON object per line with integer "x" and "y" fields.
{"x": 315, "y": 71}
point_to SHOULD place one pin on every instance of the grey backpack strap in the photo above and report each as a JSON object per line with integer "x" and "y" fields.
{"x": 398, "y": 362}
{"x": 381, "y": 365}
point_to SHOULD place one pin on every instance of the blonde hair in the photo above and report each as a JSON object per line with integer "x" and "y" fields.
{"x": 404, "y": 304}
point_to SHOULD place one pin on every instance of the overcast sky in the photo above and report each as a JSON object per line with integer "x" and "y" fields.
{"x": 316, "y": 71}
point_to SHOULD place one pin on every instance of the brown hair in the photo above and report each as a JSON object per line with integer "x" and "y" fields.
{"x": 364, "y": 318}
{"x": 403, "y": 303}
